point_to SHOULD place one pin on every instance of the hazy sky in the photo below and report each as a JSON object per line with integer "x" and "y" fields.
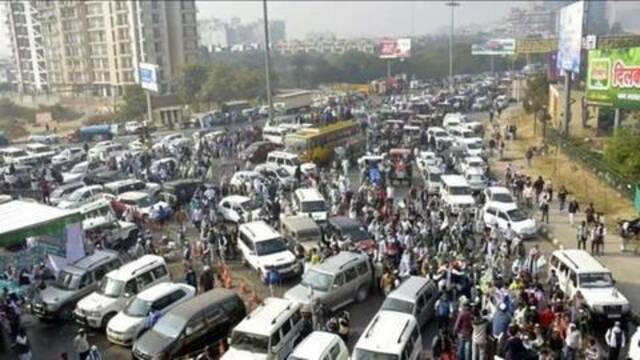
{"x": 358, "y": 18}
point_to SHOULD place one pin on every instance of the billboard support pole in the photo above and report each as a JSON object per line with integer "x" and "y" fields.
{"x": 567, "y": 101}
{"x": 267, "y": 61}
{"x": 388, "y": 68}
{"x": 616, "y": 121}
{"x": 452, "y": 4}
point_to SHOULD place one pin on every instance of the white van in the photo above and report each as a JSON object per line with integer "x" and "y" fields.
{"x": 321, "y": 345}
{"x": 96, "y": 309}
{"x": 275, "y": 134}
{"x": 127, "y": 326}
{"x": 415, "y": 296}
{"x": 451, "y": 120}
{"x": 456, "y": 192}
{"x": 289, "y": 162}
{"x": 264, "y": 249}
{"x": 310, "y": 202}
{"x": 390, "y": 335}
{"x": 269, "y": 332}
{"x": 578, "y": 271}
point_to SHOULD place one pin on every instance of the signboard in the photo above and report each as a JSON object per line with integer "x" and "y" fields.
{"x": 395, "y": 48}
{"x": 536, "y": 46}
{"x": 148, "y": 76}
{"x": 590, "y": 42}
{"x": 495, "y": 47}
{"x": 570, "y": 37}
{"x": 613, "y": 78}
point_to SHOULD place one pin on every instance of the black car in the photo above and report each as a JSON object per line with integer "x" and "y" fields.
{"x": 189, "y": 327}
{"x": 345, "y": 228}
{"x": 179, "y": 192}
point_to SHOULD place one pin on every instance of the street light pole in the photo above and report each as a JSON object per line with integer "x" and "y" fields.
{"x": 452, "y": 5}
{"x": 267, "y": 60}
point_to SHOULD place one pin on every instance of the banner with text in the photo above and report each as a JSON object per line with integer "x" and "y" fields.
{"x": 613, "y": 78}
{"x": 570, "y": 37}
{"x": 495, "y": 47}
{"x": 395, "y": 48}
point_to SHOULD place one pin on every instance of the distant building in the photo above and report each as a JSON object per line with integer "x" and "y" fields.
{"x": 94, "y": 47}
{"x": 212, "y": 33}
{"x": 325, "y": 46}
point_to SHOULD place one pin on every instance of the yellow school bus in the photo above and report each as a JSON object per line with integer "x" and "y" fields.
{"x": 317, "y": 143}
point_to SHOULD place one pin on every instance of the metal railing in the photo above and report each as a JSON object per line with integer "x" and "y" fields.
{"x": 625, "y": 186}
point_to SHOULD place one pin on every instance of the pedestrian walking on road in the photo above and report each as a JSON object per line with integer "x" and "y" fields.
{"x": 562, "y": 197}
{"x": 81, "y": 345}
{"x": 528, "y": 156}
{"x": 207, "y": 279}
{"x": 191, "y": 278}
{"x": 23, "y": 347}
{"x": 581, "y": 235}
{"x": 94, "y": 354}
{"x": 573, "y": 208}
{"x": 615, "y": 340}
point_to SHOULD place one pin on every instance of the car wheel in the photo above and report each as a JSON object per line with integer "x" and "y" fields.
{"x": 362, "y": 294}
{"x": 106, "y": 319}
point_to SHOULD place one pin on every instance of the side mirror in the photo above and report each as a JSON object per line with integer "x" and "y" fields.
{"x": 188, "y": 331}
{"x": 127, "y": 295}
{"x": 274, "y": 349}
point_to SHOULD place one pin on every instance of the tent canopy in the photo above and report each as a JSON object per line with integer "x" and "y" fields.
{"x": 22, "y": 219}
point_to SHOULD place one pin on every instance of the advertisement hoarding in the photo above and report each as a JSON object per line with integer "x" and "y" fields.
{"x": 613, "y": 78}
{"x": 395, "y": 48}
{"x": 148, "y": 76}
{"x": 495, "y": 47}
{"x": 570, "y": 37}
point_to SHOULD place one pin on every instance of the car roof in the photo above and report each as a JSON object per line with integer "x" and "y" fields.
{"x": 409, "y": 288}
{"x": 499, "y": 190}
{"x": 236, "y": 199}
{"x": 260, "y": 231}
{"x": 126, "y": 271}
{"x": 193, "y": 306}
{"x": 99, "y": 257}
{"x": 314, "y": 344}
{"x": 580, "y": 261}
{"x": 309, "y": 194}
{"x": 297, "y": 222}
{"x": 344, "y": 221}
{"x": 133, "y": 195}
{"x": 267, "y": 317}
{"x": 501, "y": 206}
{"x": 454, "y": 180}
{"x": 124, "y": 182}
{"x": 338, "y": 262}
{"x": 159, "y": 290}
{"x": 387, "y": 332}
{"x": 282, "y": 154}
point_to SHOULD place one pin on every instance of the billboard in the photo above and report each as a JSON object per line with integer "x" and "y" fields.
{"x": 148, "y": 76}
{"x": 536, "y": 46}
{"x": 395, "y": 48}
{"x": 495, "y": 47}
{"x": 570, "y": 37}
{"x": 613, "y": 78}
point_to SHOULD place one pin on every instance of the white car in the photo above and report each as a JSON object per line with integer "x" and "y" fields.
{"x": 476, "y": 178}
{"x": 240, "y": 178}
{"x": 524, "y": 226}
{"x": 238, "y": 209}
{"x": 94, "y": 152}
{"x": 68, "y": 155}
{"x": 472, "y": 146}
{"x": 274, "y": 172}
{"x": 472, "y": 162}
{"x": 81, "y": 196}
{"x": 634, "y": 345}
{"x": 133, "y": 127}
{"x": 499, "y": 197}
{"x": 142, "y": 201}
{"x": 80, "y": 170}
{"x": 40, "y": 151}
{"x": 127, "y": 326}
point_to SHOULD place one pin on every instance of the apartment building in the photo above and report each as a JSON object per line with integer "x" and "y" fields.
{"x": 93, "y": 47}
{"x": 27, "y": 51}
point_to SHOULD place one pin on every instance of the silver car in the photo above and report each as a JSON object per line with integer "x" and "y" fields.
{"x": 336, "y": 282}
{"x": 78, "y": 279}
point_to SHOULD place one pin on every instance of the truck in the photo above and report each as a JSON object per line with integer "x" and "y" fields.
{"x": 93, "y": 133}
{"x": 293, "y": 101}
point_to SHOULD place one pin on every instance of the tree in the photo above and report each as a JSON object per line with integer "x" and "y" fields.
{"x": 135, "y": 103}
{"x": 621, "y": 153}
{"x": 190, "y": 82}
{"x": 536, "y": 96}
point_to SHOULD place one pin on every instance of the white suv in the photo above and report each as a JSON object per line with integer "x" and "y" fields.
{"x": 264, "y": 250}
{"x": 117, "y": 287}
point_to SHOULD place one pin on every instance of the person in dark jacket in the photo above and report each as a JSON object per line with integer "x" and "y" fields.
{"x": 514, "y": 348}
{"x": 207, "y": 280}
{"x": 190, "y": 278}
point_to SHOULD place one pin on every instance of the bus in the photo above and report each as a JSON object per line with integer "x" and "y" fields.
{"x": 316, "y": 144}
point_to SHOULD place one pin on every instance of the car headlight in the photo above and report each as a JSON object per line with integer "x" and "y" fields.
{"x": 626, "y": 308}
{"x": 93, "y": 313}
{"x": 597, "y": 308}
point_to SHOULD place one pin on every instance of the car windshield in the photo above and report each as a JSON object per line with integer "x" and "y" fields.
{"x": 458, "y": 190}
{"x": 142, "y": 202}
{"x": 473, "y": 146}
{"x": 76, "y": 195}
{"x": 250, "y": 205}
{"x": 433, "y": 177}
{"x": 268, "y": 247}
{"x": 372, "y": 355}
{"x": 138, "y": 308}
{"x": 282, "y": 173}
{"x": 595, "y": 280}
{"x": 110, "y": 287}
{"x": 67, "y": 281}
{"x": 317, "y": 280}
{"x": 517, "y": 215}
{"x": 355, "y": 233}
{"x": 313, "y": 206}
{"x": 18, "y": 153}
{"x": 79, "y": 169}
{"x": 398, "y": 305}
{"x": 308, "y": 235}
{"x": 503, "y": 198}
{"x": 250, "y": 342}
{"x": 170, "y": 325}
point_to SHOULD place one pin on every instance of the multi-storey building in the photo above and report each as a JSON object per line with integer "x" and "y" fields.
{"x": 93, "y": 47}
{"x": 27, "y": 51}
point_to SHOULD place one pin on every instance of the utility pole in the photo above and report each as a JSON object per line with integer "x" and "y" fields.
{"x": 267, "y": 60}
{"x": 452, "y": 5}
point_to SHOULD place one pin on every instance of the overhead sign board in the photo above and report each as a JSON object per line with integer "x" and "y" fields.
{"x": 148, "y": 76}
{"x": 395, "y": 48}
{"x": 536, "y": 46}
{"x": 570, "y": 37}
{"x": 495, "y": 47}
{"x": 613, "y": 78}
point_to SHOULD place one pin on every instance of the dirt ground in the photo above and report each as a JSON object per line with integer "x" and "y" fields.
{"x": 579, "y": 181}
